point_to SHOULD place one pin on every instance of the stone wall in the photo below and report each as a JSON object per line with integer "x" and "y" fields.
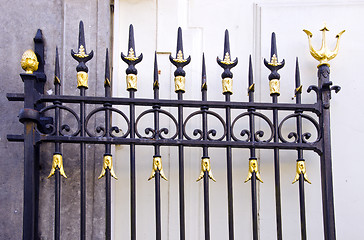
{"x": 58, "y": 20}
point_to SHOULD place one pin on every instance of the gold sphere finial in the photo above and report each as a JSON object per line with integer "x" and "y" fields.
{"x": 29, "y": 61}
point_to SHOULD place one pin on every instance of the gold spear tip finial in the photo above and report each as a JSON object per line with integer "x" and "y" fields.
{"x": 29, "y": 61}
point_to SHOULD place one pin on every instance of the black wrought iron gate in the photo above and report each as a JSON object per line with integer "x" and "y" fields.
{"x": 39, "y": 127}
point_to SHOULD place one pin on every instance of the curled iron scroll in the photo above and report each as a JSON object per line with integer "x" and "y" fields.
{"x": 162, "y": 132}
{"x": 64, "y": 128}
{"x": 101, "y": 129}
{"x": 210, "y": 132}
{"x": 258, "y": 134}
{"x": 305, "y": 136}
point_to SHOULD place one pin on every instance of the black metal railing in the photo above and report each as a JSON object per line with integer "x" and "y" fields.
{"x": 38, "y": 129}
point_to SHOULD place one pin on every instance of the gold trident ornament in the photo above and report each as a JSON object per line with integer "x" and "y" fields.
{"x": 324, "y": 55}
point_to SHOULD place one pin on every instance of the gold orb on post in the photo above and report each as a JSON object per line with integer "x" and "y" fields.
{"x": 29, "y": 61}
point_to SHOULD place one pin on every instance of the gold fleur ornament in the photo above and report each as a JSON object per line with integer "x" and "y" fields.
{"x": 206, "y": 167}
{"x": 81, "y": 52}
{"x": 301, "y": 169}
{"x": 157, "y": 166}
{"x": 29, "y": 62}
{"x": 253, "y": 167}
{"x": 57, "y": 164}
{"x": 108, "y": 165}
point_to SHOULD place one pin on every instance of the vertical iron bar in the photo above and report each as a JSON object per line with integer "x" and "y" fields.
{"x": 274, "y": 85}
{"x": 326, "y": 162}
{"x": 83, "y": 167}
{"x": 252, "y": 151}
{"x": 206, "y": 204}
{"x": 277, "y": 179}
{"x": 131, "y": 79}
{"x": 29, "y": 155}
{"x": 205, "y": 151}
{"x": 181, "y": 168}
{"x": 158, "y": 206}
{"x": 227, "y": 88}
{"x": 57, "y": 150}
{"x": 132, "y": 168}
{"x": 82, "y": 83}
{"x": 298, "y": 92}
{"x": 229, "y": 170}
{"x": 157, "y": 153}
{"x": 107, "y": 85}
{"x": 179, "y": 80}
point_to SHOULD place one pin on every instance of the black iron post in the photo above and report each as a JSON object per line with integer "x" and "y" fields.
{"x": 274, "y": 86}
{"x": 326, "y": 162}
{"x": 179, "y": 83}
{"x": 82, "y": 83}
{"x": 227, "y": 89}
{"x": 29, "y": 117}
{"x": 131, "y": 79}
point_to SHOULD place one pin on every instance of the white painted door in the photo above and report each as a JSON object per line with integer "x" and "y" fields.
{"x": 250, "y": 24}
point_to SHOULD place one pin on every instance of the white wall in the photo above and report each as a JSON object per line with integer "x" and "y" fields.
{"x": 250, "y": 24}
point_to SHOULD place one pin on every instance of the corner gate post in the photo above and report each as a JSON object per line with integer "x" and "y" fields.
{"x": 29, "y": 117}
{"x": 324, "y": 95}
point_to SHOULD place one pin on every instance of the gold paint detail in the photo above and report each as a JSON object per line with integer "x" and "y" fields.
{"x": 179, "y": 58}
{"x": 157, "y": 166}
{"x": 179, "y": 83}
{"x": 107, "y": 165}
{"x": 251, "y": 88}
{"x": 56, "y": 80}
{"x": 131, "y": 55}
{"x": 107, "y": 82}
{"x": 227, "y": 85}
{"x": 301, "y": 169}
{"x": 274, "y": 86}
{"x": 57, "y": 164}
{"x": 81, "y": 52}
{"x": 227, "y": 60}
{"x": 324, "y": 55}
{"x": 156, "y": 84}
{"x": 274, "y": 61}
{"x": 253, "y": 167}
{"x": 82, "y": 79}
{"x": 29, "y": 62}
{"x": 131, "y": 81}
{"x": 206, "y": 167}
{"x": 204, "y": 86}
{"x": 299, "y": 89}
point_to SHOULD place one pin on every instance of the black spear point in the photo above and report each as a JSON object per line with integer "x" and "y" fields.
{"x": 155, "y": 76}
{"x": 250, "y": 74}
{"x": 81, "y": 55}
{"x": 203, "y": 81}
{"x": 297, "y": 75}
{"x": 273, "y": 49}
{"x": 179, "y": 43}
{"x": 131, "y": 44}
{"x": 226, "y": 43}
{"x": 81, "y": 37}
{"x": 131, "y": 58}
{"x": 179, "y": 61}
{"x": 273, "y": 65}
{"x": 57, "y": 72}
{"x": 107, "y": 82}
{"x": 38, "y": 36}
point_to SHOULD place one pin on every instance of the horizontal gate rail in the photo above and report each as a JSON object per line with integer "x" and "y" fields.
{"x": 39, "y": 128}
